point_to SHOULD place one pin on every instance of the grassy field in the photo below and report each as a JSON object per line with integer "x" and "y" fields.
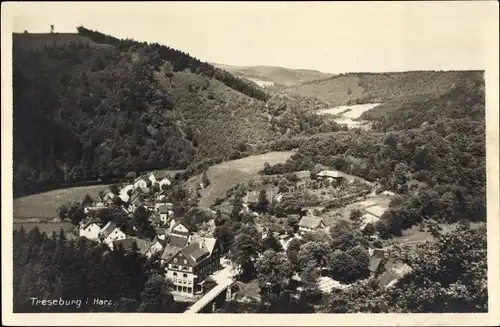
{"x": 44, "y": 205}
{"x": 227, "y": 174}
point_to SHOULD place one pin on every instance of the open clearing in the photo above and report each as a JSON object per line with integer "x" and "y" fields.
{"x": 227, "y": 174}
{"x": 44, "y": 205}
{"x": 348, "y": 115}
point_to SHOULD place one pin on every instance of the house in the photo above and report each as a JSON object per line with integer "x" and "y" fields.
{"x": 330, "y": 175}
{"x": 111, "y": 233}
{"x": 378, "y": 259}
{"x": 311, "y": 223}
{"x": 137, "y": 196}
{"x": 191, "y": 265}
{"x": 159, "y": 177}
{"x": 164, "y": 212}
{"x": 156, "y": 246}
{"x": 90, "y": 229}
{"x": 109, "y": 198}
{"x": 142, "y": 182}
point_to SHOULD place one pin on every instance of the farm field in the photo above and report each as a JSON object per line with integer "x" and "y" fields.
{"x": 44, "y": 205}
{"x": 227, "y": 174}
{"x": 349, "y": 115}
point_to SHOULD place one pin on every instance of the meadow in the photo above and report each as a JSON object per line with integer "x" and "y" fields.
{"x": 44, "y": 205}
{"x": 227, "y": 174}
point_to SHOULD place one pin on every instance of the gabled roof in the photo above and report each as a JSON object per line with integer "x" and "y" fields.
{"x": 91, "y": 221}
{"x": 310, "y": 222}
{"x": 108, "y": 229}
{"x": 169, "y": 252}
{"x": 195, "y": 253}
{"x": 160, "y": 175}
{"x": 374, "y": 264}
{"x": 207, "y": 242}
{"x": 177, "y": 241}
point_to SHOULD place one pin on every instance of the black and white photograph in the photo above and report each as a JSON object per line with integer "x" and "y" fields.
{"x": 251, "y": 158}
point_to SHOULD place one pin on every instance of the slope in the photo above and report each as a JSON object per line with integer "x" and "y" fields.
{"x": 84, "y": 111}
{"x": 355, "y": 88}
{"x": 274, "y": 75}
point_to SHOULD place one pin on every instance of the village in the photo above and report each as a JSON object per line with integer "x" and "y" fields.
{"x": 191, "y": 258}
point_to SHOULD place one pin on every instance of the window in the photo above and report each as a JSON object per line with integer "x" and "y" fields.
{"x": 184, "y": 275}
{"x": 175, "y": 267}
{"x": 175, "y": 274}
{"x": 175, "y": 260}
{"x": 190, "y": 282}
{"x": 185, "y": 261}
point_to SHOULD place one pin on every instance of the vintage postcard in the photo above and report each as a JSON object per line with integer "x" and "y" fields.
{"x": 250, "y": 163}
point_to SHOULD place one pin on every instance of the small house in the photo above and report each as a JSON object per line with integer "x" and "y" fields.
{"x": 330, "y": 175}
{"x": 164, "y": 213}
{"x": 159, "y": 177}
{"x": 111, "y": 233}
{"x": 310, "y": 224}
{"x": 90, "y": 230}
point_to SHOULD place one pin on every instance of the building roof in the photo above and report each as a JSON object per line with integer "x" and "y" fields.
{"x": 91, "y": 221}
{"x": 177, "y": 241}
{"x": 195, "y": 252}
{"x": 159, "y": 175}
{"x": 310, "y": 222}
{"x": 330, "y": 173}
{"x": 377, "y": 256}
{"x": 376, "y": 210}
{"x": 169, "y": 252}
{"x": 108, "y": 229}
{"x": 163, "y": 209}
{"x": 207, "y": 242}
{"x": 142, "y": 245}
{"x": 160, "y": 230}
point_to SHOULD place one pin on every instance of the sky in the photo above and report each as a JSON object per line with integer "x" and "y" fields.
{"x": 333, "y": 37}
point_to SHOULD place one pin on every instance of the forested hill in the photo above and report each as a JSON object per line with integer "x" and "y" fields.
{"x": 352, "y": 88}
{"x": 89, "y": 106}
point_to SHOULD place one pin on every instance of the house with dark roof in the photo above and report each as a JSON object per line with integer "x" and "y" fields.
{"x": 378, "y": 259}
{"x": 189, "y": 266}
{"x": 311, "y": 223}
{"x": 164, "y": 212}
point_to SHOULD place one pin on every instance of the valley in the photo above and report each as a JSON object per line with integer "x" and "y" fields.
{"x": 309, "y": 192}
